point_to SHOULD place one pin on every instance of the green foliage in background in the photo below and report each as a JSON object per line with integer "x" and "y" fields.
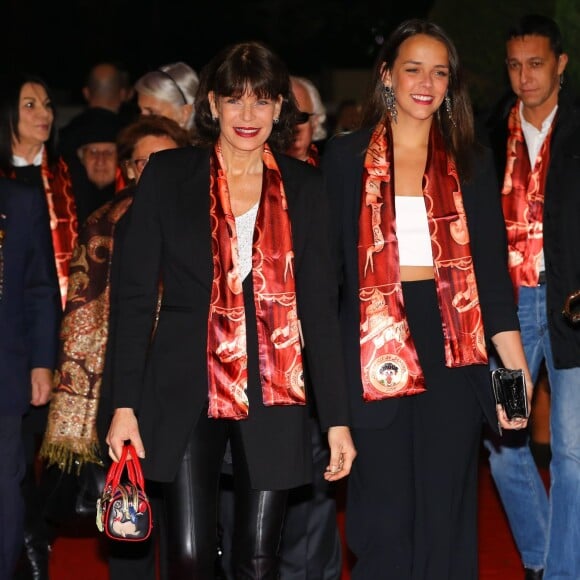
{"x": 478, "y": 29}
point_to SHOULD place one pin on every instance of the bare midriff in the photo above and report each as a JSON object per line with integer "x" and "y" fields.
{"x": 415, "y": 273}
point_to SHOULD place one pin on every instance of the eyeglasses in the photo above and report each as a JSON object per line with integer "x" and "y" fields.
{"x": 94, "y": 153}
{"x": 304, "y": 117}
{"x": 139, "y": 163}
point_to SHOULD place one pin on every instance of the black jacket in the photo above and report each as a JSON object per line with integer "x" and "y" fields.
{"x": 168, "y": 235}
{"x": 561, "y": 218}
{"x": 343, "y": 165}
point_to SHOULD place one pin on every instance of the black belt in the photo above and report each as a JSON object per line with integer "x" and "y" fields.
{"x": 542, "y": 278}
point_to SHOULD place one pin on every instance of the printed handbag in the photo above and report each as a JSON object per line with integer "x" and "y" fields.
{"x": 123, "y": 510}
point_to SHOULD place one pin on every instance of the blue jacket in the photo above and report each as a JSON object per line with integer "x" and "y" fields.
{"x": 29, "y": 302}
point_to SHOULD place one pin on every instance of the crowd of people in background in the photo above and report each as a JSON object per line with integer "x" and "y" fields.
{"x": 270, "y": 295}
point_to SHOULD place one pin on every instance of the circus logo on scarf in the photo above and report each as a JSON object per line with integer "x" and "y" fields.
{"x": 388, "y": 373}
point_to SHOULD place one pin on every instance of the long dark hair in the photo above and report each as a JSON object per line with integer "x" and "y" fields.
{"x": 234, "y": 70}
{"x": 459, "y": 137}
{"x": 10, "y": 88}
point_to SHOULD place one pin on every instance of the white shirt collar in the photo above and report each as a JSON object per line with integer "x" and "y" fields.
{"x": 21, "y": 162}
{"x": 535, "y": 137}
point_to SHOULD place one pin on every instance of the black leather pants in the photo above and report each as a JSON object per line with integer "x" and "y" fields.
{"x": 191, "y": 511}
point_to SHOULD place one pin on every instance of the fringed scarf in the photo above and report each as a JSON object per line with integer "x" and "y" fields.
{"x": 389, "y": 363}
{"x": 523, "y": 203}
{"x": 278, "y": 326}
{"x": 71, "y": 435}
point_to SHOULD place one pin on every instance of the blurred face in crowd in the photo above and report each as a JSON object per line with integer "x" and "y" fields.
{"x": 145, "y": 147}
{"x": 149, "y": 105}
{"x": 100, "y": 162}
{"x": 534, "y": 71}
{"x": 419, "y": 77}
{"x": 304, "y": 131}
{"x": 36, "y": 116}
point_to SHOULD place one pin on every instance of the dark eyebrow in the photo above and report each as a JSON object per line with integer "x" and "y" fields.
{"x": 420, "y": 62}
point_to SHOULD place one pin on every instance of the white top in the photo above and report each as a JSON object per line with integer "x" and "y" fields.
{"x": 413, "y": 231}
{"x": 21, "y": 162}
{"x": 245, "y": 224}
{"x": 534, "y": 140}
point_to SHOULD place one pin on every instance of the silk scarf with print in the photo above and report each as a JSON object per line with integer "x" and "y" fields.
{"x": 389, "y": 362}
{"x": 313, "y": 155}
{"x": 278, "y": 326}
{"x": 523, "y": 203}
{"x": 62, "y": 212}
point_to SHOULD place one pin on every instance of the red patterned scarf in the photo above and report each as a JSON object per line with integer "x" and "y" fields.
{"x": 313, "y": 155}
{"x": 278, "y": 326}
{"x": 389, "y": 363}
{"x": 523, "y": 203}
{"x": 63, "y": 216}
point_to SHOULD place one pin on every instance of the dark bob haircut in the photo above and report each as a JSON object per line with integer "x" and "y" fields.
{"x": 236, "y": 70}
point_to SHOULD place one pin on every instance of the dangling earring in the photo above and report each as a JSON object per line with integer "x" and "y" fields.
{"x": 449, "y": 110}
{"x": 562, "y": 80}
{"x": 390, "y": 102}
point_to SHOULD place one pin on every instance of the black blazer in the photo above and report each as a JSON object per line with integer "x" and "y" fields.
{"x": 561, "y": 218}
{"x": 30, "y": 302}
{"x": 342, "y": 166}
{"x": 168, "y": 238}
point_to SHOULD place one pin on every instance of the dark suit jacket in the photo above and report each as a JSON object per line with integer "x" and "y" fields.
{"x": 561, "y": 218}
{"x": 342, "y": 165}
{"x": 168, "y": 237}
{"x": 30, "y": 301}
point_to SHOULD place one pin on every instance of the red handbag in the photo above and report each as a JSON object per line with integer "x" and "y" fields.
{"x": 123, "y": 510}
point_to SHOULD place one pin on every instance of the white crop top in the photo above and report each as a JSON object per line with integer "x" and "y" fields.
{"x": 413, "y": 231}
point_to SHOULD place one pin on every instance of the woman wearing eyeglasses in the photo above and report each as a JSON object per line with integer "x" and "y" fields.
{"x": 310, "y": 131}
{"x": 78, "y": 416}
{"x": 237, "y": 233}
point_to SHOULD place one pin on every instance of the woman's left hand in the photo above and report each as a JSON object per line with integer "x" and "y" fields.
{"x": 505, "y": 423}
{"x": 342, "y": 453}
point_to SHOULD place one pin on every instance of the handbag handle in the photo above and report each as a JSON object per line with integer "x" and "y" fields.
{"x": 568, "y": 307}
{"x": 133, "y": 465}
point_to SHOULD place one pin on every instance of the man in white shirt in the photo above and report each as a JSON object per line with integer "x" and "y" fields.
{"x": 541, "y": 202}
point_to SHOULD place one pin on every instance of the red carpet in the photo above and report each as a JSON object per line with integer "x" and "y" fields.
{"x": 81, "y": 559}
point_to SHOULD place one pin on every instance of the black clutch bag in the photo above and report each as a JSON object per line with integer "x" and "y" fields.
{"x": 509, "y": 390}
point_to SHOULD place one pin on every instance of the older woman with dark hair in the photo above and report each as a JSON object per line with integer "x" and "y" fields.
{"x": 237, "y": 234}
{"x": 28, "y": 154}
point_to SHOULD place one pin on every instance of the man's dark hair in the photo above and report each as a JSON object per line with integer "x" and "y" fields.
{"x": 538, "y": 25}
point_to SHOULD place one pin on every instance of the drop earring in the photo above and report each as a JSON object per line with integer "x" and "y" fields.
{"x": 390, "y": 102}
{"x": 448, "y": 108}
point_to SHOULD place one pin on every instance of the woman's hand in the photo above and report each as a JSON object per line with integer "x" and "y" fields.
{"x": 124, "y": 428}
{"x": 508, "y": 345}
{"x": 342, "y": 453}
{"x": 41, "y": 382}
{"x": 505, "y": 423}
